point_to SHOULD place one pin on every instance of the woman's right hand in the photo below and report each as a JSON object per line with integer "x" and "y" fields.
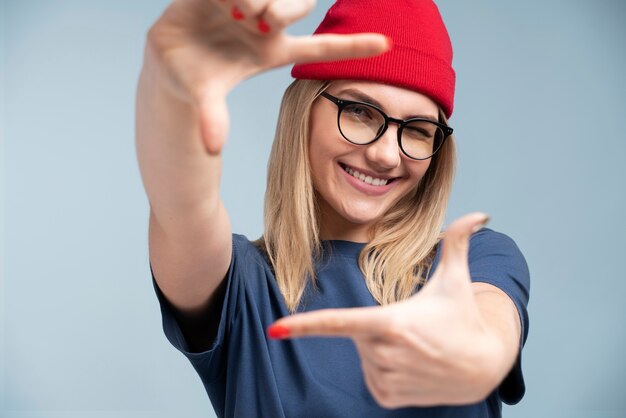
{"x": 199, "y": 51}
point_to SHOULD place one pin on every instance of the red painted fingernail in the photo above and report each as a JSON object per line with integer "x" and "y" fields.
{"x": 237, "y": 15}
{"x": 263, "y": 26}
{"x": 278, "y": 331}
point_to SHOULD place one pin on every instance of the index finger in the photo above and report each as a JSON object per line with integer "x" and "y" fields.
{"x": 331, "y": 47}
{"x": 348, "y": 322}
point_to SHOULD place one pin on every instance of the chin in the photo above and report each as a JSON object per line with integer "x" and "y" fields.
{"x": 362, "y": 215}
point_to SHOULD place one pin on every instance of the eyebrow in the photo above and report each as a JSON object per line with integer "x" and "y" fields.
{"x": 362, "y": 97}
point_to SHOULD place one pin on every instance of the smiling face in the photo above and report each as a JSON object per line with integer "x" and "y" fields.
{"x": 349, "y": 206}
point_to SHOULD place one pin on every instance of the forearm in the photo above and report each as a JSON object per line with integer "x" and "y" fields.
{"x": 179, "y": 176}
{"x": 501, "y": 318}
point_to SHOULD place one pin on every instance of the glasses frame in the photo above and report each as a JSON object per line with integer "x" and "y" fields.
{"x": 341, "y": 104}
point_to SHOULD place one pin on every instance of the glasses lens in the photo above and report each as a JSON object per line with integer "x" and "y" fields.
{"x": 360, "y": 123}
{"x": 421, "y": 139}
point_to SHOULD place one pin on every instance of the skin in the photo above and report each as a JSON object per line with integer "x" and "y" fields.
{"x": 405, "y": 358}
{"x": 196, "y": 54}
{"x": 347, "y": 213}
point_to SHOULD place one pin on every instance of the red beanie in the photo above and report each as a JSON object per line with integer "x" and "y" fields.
{"x": 420, "y": 58}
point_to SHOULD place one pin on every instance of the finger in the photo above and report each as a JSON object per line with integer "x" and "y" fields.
{"x": 329, "y": 47}
{"x": 331, "y": 322}
{"x": 456, "y": 238}
{"x": 282, "y": 13}
{"x": 214, "y": 121}
{"x": 251, "y": 8}
{"x": 271, "y": 16}
{"x": 452, "y": 274}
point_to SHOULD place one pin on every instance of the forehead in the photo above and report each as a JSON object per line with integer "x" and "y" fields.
{"x": 395, "y": 100}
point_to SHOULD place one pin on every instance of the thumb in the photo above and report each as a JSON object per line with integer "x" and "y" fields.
{"x": 454, "y": 263}
{"x": 214, "y": 122}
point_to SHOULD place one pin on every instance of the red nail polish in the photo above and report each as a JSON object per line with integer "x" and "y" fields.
{"x": 278, "y": 331}
{"x": 237, "y": 15}
{"x": 263, "y": 26}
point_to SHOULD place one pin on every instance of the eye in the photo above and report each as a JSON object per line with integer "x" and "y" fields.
{"x": 358, "y": 111}
{"x": 417, "y": 133}
{"x": 422, "y": 131}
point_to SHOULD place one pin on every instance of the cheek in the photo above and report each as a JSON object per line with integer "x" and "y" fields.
{"x": 316, "y": 157}
{"x": 418, "y": 169}
{"x": 315, "y": 145}
{"x": 324, "y": 147}
{"x": 422, "y": 168}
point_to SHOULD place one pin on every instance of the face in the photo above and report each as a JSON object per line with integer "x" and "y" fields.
{"x": 350, "y": 206}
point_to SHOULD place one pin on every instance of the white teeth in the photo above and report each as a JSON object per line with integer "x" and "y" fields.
{"x": 364, "y": 178}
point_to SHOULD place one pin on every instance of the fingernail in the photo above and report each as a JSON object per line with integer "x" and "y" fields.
{"x": 237, "y": 15}
{"x": 278, "y": 331}
{"x": 481, "y": 224}
{"x": 263, "y": 26}
{"x": 389, "y": 42}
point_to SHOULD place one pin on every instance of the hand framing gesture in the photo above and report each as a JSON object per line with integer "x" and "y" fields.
{"x": 431, "y": 349}
{"x": 206, "y": 47}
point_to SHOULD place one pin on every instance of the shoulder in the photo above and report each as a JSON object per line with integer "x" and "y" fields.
{"x": 250, "y": 260}
{"x": 241, "y": 243}
{"x": 488, "y": 234}
{"x": 244, "y": 249}
{"x": 497, "y": 247}
{"x": 495, "y": 257}
{"x": 488, "y": 241}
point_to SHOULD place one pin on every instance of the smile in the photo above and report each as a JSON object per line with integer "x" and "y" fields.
{"x": 366, "y": 179}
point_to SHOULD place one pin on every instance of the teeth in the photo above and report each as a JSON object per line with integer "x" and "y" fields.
{"x": 364, "y": 178}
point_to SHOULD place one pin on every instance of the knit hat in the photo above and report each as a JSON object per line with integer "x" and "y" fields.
{"x": 419, "y": 59}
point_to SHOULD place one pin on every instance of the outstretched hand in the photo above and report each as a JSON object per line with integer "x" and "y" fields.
{"x": 431, "y": 349}
{"x": 207, "y": 47}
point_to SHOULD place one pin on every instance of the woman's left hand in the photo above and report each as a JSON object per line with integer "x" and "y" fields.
{"x": 434, "y": 348}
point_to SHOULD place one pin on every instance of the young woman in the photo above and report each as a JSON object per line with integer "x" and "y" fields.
{"x": 400, "y": 321}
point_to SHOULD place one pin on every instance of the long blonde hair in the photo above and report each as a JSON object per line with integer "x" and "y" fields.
{"x": 396, "y": 260}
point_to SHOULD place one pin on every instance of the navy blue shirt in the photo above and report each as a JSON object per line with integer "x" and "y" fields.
{"x": 246, "y": 374}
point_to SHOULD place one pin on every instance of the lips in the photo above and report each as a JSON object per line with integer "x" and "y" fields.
{"x": 374, "y": 179}
{"x": 365, "y": 187}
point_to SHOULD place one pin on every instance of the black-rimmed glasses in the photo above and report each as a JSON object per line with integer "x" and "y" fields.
{"x": 363, "y": 123}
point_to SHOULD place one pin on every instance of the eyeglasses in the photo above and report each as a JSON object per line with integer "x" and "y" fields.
{"x": 363, "y": 123}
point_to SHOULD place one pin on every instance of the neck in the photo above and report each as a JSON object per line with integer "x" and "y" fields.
{"x": 334, "y": 227}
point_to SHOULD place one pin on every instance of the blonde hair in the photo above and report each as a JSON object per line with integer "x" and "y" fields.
{"x": 396, "y": 260}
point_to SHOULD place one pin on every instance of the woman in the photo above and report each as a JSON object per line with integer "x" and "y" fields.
{"x": 358, "y": 182}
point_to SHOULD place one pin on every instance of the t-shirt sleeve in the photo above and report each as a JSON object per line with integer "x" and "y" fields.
{"x": 208, "y": 363}
{"x": 495, "y": 258}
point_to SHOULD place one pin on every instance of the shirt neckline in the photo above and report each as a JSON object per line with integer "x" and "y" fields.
{"x": 345, "y": 248}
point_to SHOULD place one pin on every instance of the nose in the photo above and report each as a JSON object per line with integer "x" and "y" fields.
{"x": 384, "y": 153}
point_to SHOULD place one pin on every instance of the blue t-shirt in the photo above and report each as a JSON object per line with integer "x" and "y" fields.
{"x": 246, "y": 374}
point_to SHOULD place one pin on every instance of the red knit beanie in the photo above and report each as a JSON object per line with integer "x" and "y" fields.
{"x": 420, "y": 58}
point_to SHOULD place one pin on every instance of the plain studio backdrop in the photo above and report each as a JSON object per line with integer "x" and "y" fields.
{"x": 539, "y": 121}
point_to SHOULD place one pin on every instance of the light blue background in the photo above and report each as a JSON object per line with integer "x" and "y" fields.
{"x": 539, "y": 118}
